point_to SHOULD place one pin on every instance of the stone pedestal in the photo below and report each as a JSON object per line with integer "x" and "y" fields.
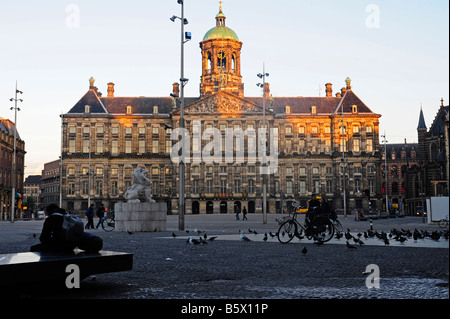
{"x": 141, "y": 217}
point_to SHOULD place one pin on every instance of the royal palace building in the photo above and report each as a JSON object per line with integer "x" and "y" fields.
{"x": 104, "y": 138}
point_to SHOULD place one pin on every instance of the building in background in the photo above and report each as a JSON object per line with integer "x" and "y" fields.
{"x": 7, "y": 129}
{"x": 31, "y": 191}
{"x": 50, "y": 184}
{"x": 104, "y": 138}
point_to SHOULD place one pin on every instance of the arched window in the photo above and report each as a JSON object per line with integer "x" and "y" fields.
{"x": 209, "y": 64}
{"x": 233, "y": 63}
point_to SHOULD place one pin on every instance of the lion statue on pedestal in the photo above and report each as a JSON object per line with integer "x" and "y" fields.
{"x": 141, "y": 190}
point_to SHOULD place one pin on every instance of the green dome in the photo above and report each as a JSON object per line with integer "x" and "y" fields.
{"x": 220, "y": 33}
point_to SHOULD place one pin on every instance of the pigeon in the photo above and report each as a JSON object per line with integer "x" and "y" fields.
{"x": 339, "y": 235}
{"x": 265, "y": 237}
{"x": 193, "y": 241}
{"x": 304, "y": 251}
{"x": 198, "y": 231}
{"x": 212, "y": 238}
{"x": 243, "y": 237}
{"x": 205, "y": 236}
{"x": 386, "y": 242}
{"x": 34, "y": 235}
{"x": 272, "y": 235}
{"x": 130, "y": 232}
{"x": 350, "y": 246}
{"x": 253, "y": 231}
{"x": 174, "y": 235}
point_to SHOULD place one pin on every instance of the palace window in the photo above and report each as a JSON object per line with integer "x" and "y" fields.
{"x": 142, "y": 146}
{"x": 114, "y": 188}
{"x": 115, "y": 147}
{"x": 289, "y": 189}
{"x": 128, "y": 146}
{"x": 129, "y": 110}
{"x": 369, "y": 145}
{"x": 302, "y": 186}
{"x": 356, "y": 145}
{"x": 155, "y": 146}
{"x": 99, "y": 146}
{"x": 71, "y": 146}
{"x": 99, "y": 188}
{"x": 329, "y": 186}
{"x": 251, "y": 186}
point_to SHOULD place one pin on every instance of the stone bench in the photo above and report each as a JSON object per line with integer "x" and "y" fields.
{"x": 33, "y": 268}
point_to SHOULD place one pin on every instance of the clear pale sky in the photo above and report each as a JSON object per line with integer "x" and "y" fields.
{"x": 396, "y": 53}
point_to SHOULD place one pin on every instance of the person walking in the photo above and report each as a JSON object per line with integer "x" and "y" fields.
{"x": 100, "y": 215}
{"x": 244, "y": 214}
{"x": 90, "y": 217}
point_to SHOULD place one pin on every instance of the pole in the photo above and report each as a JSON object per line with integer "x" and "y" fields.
{"x": 61, "y": 161}
{"x": 181, "y": 206}
{"x": 265, "y": 149}
{"x": 386, "y": 172}
{"x": 343, "y": 162}
{"x": 13, "y": 190}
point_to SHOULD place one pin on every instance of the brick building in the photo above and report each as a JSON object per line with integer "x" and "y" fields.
{"x": 7, "y": 129}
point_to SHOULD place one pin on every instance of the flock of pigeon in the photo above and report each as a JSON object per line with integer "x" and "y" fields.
{"x": 401, "y": 236}
{"x": 352, "y": 241}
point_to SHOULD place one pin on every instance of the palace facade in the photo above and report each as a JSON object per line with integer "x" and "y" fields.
{"x": 104, "y": 138}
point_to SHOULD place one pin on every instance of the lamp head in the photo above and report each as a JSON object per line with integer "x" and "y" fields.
{"x": 173, "y": 18}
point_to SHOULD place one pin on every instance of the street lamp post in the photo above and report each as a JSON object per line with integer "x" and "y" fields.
{"x": 385, "y": 171}
{"x": 14, "y": 169}
{"x": 184, "y": 38}
{"x": 343, "y": 128}
{"x": 263, "y": 86}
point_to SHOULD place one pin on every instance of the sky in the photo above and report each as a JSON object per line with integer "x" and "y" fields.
{"x": 395, "y": 51}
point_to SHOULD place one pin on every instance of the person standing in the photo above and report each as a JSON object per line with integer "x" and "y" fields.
{"x": 90, "y": 217}
{"x": 100, "y": 215}
{"x": 244, "y": 214}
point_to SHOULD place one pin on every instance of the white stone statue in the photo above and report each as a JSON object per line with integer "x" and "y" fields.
{"x": 141, "y": 188}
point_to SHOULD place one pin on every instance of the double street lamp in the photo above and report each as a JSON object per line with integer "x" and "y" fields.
{"x": 184, "y": 38}
{"x": 264, "y": 172}
{"x": 14, "y": 169}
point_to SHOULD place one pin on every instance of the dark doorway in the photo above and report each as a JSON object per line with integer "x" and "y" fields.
{"x": 209, "y": 207}
{"x": 223, "y": 207}
{"x": 251, "y": 207}
{"x": 195, "y": 208}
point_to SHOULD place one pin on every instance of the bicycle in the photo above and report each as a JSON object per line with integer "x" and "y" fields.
{"x": 109, "y": 223}
{"x": 318, "y": 226}
{"x": 443, "y": 223}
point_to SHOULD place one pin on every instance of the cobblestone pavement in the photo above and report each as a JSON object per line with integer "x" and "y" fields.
{"x": 169, "y": 268}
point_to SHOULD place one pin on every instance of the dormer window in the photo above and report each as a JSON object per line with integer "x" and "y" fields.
{"x": 288, "y": 110}
{"x": 129, "y": 109}
{"x": 313, "y": 110}
{"x": 87, "y": 109}
{"x": 354, "y": 109}
{"x": 155, "y": 110}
